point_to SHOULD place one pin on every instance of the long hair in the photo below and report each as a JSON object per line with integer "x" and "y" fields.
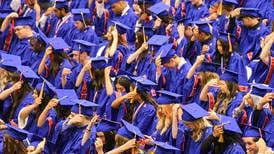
{"x": 13, "y": 146}
{"x": 6, "y": 77}
{"x": 225, "y": 98}
{"x": 123, "y": 81}
{"x": 226, "y": 53}
{"x": 110, "y": 141}
{"x": 98, "y": 76}
{"x": 199, "y": 126}
{"x": 164, "y": 115}
{"x": 56, "y": 59}
{"x": 207, "y": 76}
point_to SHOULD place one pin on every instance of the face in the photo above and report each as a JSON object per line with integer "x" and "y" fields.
{"x": 220, "y": 48}
{"x": 83, "y": 57}
{"x": 116, "y": 8}
{"x": 246, "y": 21}
{"x": 75, "y": 55}
{"x": 79, "y": 25}
{"x": 20, "y": 31}
{"x": 194, "y": 2}
{"x": 120, "y": 88}
{"x": 170, "y": 64}
{"x": 189, "y": 125}
{"x": 251, "y": 146}
{"x": 101, "y": 136}
{"x": 58, "y": 13}
{"x": 201, "y": 36}
{"x": 223, "y": 87}
{"x": 188, "y": 32}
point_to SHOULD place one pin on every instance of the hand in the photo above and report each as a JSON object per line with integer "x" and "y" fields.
{"x": 87, "y": 66}
{"x": 17, "y": 85}
{"x": 99, "y": 145}
{"x": 52, "y": 103}
{"x": 130, "y": 95}
{"x": 144, "y": 46}
{"x": 212, "y": 115}
{"x": 107, "y": 70}
{"x": 129, "y": 144}
{"x": 213, "y": 83}
{"x": 66, "y": 72}
{"x": 114, "y": 33}
{"x": 158, "y": 65}
{"x": 2, "y": 125}
{"x": 148, "y": 139}
{"x": 265, "y": 21}
{"x": 49, "y": 11}
{"x": 13, "y": 15}
{"x": 143, "y": 17}
{"x": 236, "y": 12}
{"x": 168, "y": 28}
{"x": 77, "y": 120}
{"x": 218, "y": 130}
{"x": 199, "y": 60}
{"x": 267, "y": 98}
{"x": 247, "y": 100}
{"x": 41, "y": 145}
{"x": 205, "y": 49}
{"x": 92, "y": 121}
{"x": 213, "y": 16}
{"x": 157, "y": 23}
{"x": 49, "y": 51}
{"x": 181, "y": 30}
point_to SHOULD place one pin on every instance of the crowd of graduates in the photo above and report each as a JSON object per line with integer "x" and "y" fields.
{"x": 136, "y": 76}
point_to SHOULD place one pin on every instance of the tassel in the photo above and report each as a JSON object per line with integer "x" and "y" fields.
{"x": 144, "y": 35}
{"x": 220, "y": 8}
{"x": 221, "y": 138}
{"x": 229, "y": 42}
{"x": 42, "y": 90}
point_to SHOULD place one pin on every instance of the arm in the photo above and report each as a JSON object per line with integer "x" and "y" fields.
{"x": 7, "y": 20}
{"x": 112, "y": 49}
{"x": 42, "y": 65}
{"x": 25, "y": 112}
{"x": 38, "y": 12}
{"x": 128, "y": 145}
{"x": 65, "y": 73}
{"x": 118, "y": 101}
{"x": 7, "y": 92}
{"x": 264, "y": 56}
{"x": 88, "y": 129}
{"x": 80, "y": 76}
{"x": 109, "y": 87}
{"x": 134, "y": 56}
{"x": 43, "y": 116}
{"x": 204, "y": 92}
{"x": 197, "y": 63}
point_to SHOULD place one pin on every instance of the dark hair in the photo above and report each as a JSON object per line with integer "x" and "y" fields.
{"x": 109, "y": 141}
{"x": 125, "y": 82}
{"x": 62, "y": 112}
{"x": 42, "y": 106}
{"x": 98, "y": 77}
{"x": 226, "y": 53}
{"x": 58, "y": 58}
{"x": 140, "y": 40}
{"x": 13, "y": 146}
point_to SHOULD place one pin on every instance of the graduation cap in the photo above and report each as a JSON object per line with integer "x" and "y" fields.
{"x": 158, "y": 40}
{"x": 230, "y": 2}
{"x": 84, "y": 46}
{"x": 260, "y": 89}
{"x": 23, "y": 21}
{"x": 83, "y": 107}
{"x": 4, "y": 13}
{"x": 58, "y": 44}
{"x": 126, "y": 74}
{"x": 100, "y": 62}
{"x": 249, "y": 12}
{"x": 143, "y": 84}
{"x": 36, "y": 139}
{"x": 41, "y": 36}
{"x": 252, "y": 131}
{"x": 51, "y": 89}
{"x": 229, "y": 75}
{"x": 66, "y": 97}
{"x": 204, "y": 26}
{"x": 159, "y": 9}
{"x": 192, "y": 112}
{"x": 59, "y": 4}
{"x": 27, "y": 72}
{"x": 121, "y": 28}
{"x": 110, "y": 2}
{"x": 129, "y": 131}
{"x": 227, "y": 37}
{"x": 230, "y": 124}
{"x": 208, "y": 67}
{"x": 106, "y": 125}
{"x": 80, "y": 14}
{"x": 168, "y": 97}
{"x": 185, "y": 21}
{"x": 166, "y": 53}
{"x": 162, "y": 147}
{"x": 9, "y": 62}
{"x": 17, "y": 133}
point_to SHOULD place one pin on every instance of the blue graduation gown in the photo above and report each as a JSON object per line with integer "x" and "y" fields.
{"x": 194, "y": 147}
{"x": 79, "y": 4}
{"x": 89, "y": 35}
{"x": 5, "y": 106}
{"x": 50, "y": 25}
{"x": 196, "y": 13}
{"x": 226, "y": 24}
{"x": 249, "y": 42}
{"x": 144, "y": 119}
{"x": 269, "y": 137}
{"x": 100, "y": 23}
{"x": 35, "y": 60}
{"x": 234, "y": 148}
{"x": 5, "y": 5}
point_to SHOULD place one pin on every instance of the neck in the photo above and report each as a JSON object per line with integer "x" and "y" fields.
{"x": 199, "y": 3}
{"x": 254, "y": 22}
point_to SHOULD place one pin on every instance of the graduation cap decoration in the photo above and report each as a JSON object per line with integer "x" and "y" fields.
{"x": 130, "y": 131}
{"x": 66, "y": 97}
{"x": 23, "y": 21}
{"x": 17, "y": 133}
{"x": 121, "y": 28}
{"x": 81, "y": 15}
{"x": 204, "y": 26}
{"x": 229, "y": 75}
{"x": 166, "y": 52}
{"x": 58, "y": 44}
{"x": 106, "y": 125}
{"x": 167, "y": 97}
{"x": 159, "y": 9}
{"x": 9, "y": 62}
{"x": 59, "y": 4}
{"x": 192, "y": 112}
{"x": 84, "y": 46}
{"x": 100, "y": 62}
{"x": 83, "y": 107}
{"x": 249, "y": 12}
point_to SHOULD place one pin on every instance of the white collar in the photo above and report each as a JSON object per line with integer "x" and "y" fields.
{"x": 182, "y": 62}
{"x": 125, "y": 10}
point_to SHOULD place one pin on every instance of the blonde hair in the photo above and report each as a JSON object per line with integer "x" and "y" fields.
{"x": 164, "y": 115}
{"x": 5, "y": 78}
{"x": 199, "y": 125}
{"x": 207, "y": 76}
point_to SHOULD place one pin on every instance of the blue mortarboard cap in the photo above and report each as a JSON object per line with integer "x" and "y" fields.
{"x": 146, "y": 1}
{"x": 35, "y": 140}
{"x": 204, "y": 26}
{"x": 121, "y": 28}
{"x": 208, "y": 67}
{"x": 252, "y": 131}
{"x": 23, "y": 21}
{"x": 50, "y": 87}
{"x": 126, "y": 74}
{"x": 159, "y": 9}
{"x": 158, "y": 40}
{"x": 59, "y": 4}
{"x": 41, "y": 36}
{"x": 79, "y": 14}
{"x": 27, "y": 72}
{"x": 229, "y": 75}
{"x": 99, "y": 62}
{"x": 4, "y": 13}
{"x": 129, "y": 130}
{"x": 260, "y": 89}
{"x": 185, "y": 21}
{"x": 168, "y": 97}
{"x": 143, "y": 83}
{"x": 84, "y": 46}
{"x": 58, "y": 44}
{"x": 66, "y": 96}
{"x": 9, "y": 62}
{"x": 163, "y": 147}
{"x": 107, "y": 125}
{"x": 86, "y": 106}
{"x": 224, "y": 36}
{"x": 229, "y": 2}
{"x": 249, "y": 12}
{"x": 192, "y": 112}
{"x": 17, "y": 133}
{"x": 230, "y": 124}
{"x": 165, "y": 52}
{"x": 110, "y": 2}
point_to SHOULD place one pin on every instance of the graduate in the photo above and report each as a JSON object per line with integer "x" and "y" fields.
{"x": 226, "y": 97}
{"x": 32, "y": 9}
{"x": 203, "y": 40}
{"x": 82, "y": 21}
{"x": 19, "y": 44}
{"x": 225, "y": 138}
{"x": 196, "y": 10}
{"x": 269, "y": 127}
{"x": 101, "y": 18}
{"x": 55, "y": 64}
{"x": 77, "y": 133}
{"x": 198, "y": 129}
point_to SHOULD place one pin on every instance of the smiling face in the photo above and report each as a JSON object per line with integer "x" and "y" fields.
{"x": 251, "y": 146}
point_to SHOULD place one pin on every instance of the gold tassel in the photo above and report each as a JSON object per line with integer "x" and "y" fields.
{"x": 221, "y": 138}
{"x": 144, "y": 35}
{"x": 42, "y": 90}
{"x": 229, "y": 42}
{"x": 220, "y": 8}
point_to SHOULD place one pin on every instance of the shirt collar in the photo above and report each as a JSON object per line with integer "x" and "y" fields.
{"x": 125, "y": 10}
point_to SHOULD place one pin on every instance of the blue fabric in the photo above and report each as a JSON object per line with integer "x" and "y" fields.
{"x": 234, "y": 148}
{"x": 196, "y": 13}
{"x": 269, "y": 137}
